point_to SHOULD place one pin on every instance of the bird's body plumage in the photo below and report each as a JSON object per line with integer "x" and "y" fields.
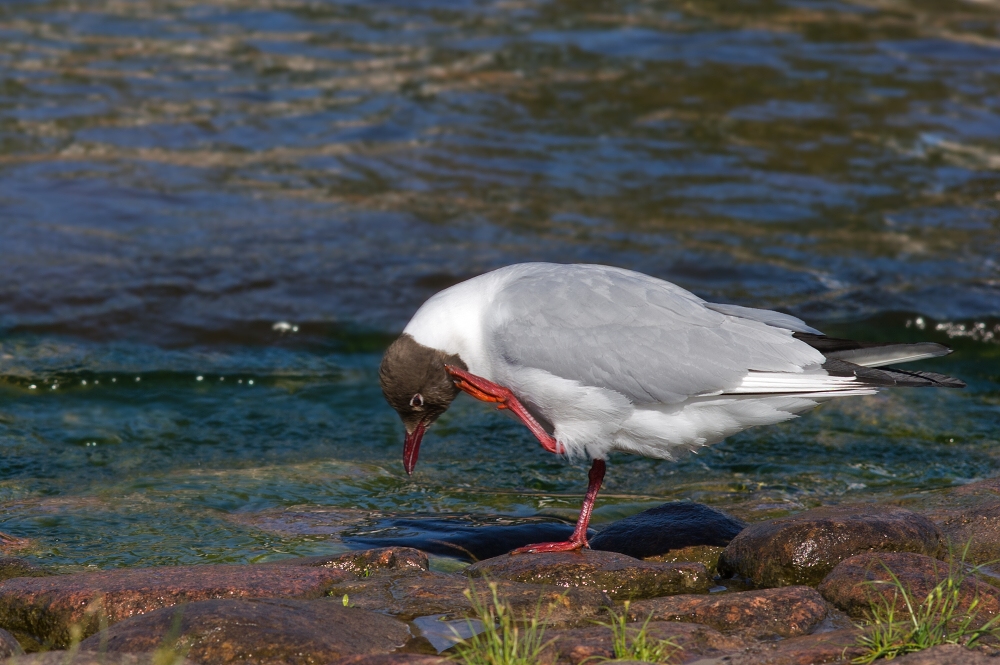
{"x": 593, "y": 359}
{"x": 610, "y": 359}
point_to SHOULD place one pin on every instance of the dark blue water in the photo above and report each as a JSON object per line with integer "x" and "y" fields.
{"x": 176, "y": 178}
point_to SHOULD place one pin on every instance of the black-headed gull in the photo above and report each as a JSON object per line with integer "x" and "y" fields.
{"x": 593, "y": 359}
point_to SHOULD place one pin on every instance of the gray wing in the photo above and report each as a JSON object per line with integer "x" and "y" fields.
{"x": 645, "y": 338}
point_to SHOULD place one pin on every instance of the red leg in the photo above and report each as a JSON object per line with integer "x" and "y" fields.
{"x": 579, "y": 538}
{"x": 488, "y": 391}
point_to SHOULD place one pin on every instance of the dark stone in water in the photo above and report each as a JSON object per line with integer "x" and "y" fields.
{"x": 463, "y": 540}
{"x": 263, "y": 632}
{"x": 671, "y": 526}
{"x": 803, "y": 548}
{"x": 620, "y": 576}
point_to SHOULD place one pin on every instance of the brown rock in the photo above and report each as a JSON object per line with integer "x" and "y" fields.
{"x": 393, "y": 659}
{"x": 9, "y": 543}
{"x": 836, "y": 646}
{"x": 855, "y": 584}
{"x": 582, "y": 645}
{"x": 49, "y": 610}
{"x": 620, "y": 576}
{"x": 946, "y": 654}
{"x": 785, "y": 612}
{"x": 365, "y": 562}
{"x": 91, "y": 658}
{"x": 9, "y": 646}
{"x": 264, "y": 632}
{"x": 427, "y": 593}
{"x": 803, "y": 548}
{"x": 976, "y": 526}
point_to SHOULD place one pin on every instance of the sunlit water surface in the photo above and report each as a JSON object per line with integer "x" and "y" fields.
{"x": 177, "y": 177}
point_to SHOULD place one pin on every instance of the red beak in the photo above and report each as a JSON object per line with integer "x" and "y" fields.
{"x": 411, "y": 447}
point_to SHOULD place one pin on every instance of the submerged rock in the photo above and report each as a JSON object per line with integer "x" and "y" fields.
{"x": 669, "y": 527}
{"x": 423, "y": 594}
{"x": 47, "y": 610}
{"x": 263, "y": 632}
{"x": 850, "y": 585}
{"x": 365, "y": 562}
{"x": 785, "y": 612}
{"x": 620, "y": 576}
{"x": 803, "y": 548}
{"x": 595, "y": 643}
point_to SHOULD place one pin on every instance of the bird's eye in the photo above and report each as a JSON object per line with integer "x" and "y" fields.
{"x": 417, "y": 401}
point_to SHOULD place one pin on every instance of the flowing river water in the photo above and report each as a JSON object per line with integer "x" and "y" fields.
{"x": 214, "y": 216}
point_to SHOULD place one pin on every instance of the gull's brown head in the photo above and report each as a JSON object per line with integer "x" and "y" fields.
{"x": 416, "y": 385}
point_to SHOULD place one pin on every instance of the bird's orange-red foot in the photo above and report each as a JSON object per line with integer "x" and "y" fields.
{"x": 579, "y": 538}
{"x": 487, "y": 391}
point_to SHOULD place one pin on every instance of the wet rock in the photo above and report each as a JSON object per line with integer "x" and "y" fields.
{"x": 803, "y": 548}
{"x": 850, "y": 585}
{"x": 365, "y": 562}
{"x": 9, "y": 646}
{"x": 946, "y": 654}
{"x": 12, "y": 566}
{"x": 672, "y": 526}
{"x": 263, "y": 632}
{"x": 785, "y": 612}
{"x": 464, "y": 539}
{"x": 9, "y": 543}
{"x": 48, "y": 610}
{"x": 620, "y": 576}
{"x": 424, "y": 594}
{"x": 833, "y": 647}
{"x": 582, "y": 645}
{"x": 977, "y": 527}
{"x": 91, "y": 658}
{"x": 706, "y": 555}
{"x": 393, "y": 659}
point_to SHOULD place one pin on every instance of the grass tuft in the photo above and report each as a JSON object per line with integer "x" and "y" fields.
{"x": 504, "y": 639}
{"x": 937, "y": 619}
{"x": 635, "y": 643}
